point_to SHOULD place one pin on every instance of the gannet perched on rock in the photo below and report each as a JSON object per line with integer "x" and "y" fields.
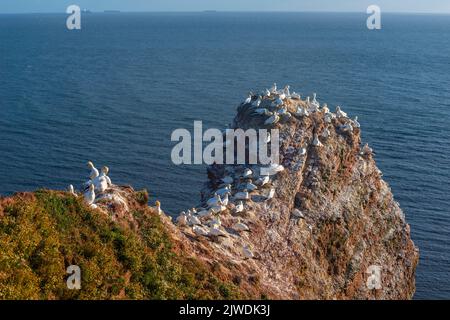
{"x": 247, "y": 173}
{"x": 72, "y": 191}
{"x": 243, "y": 195}
{"x": 182, "y": 219}
{"x": 366, "y": 150}
{"x": 257, "y": 102}
{"x": 302, "y": 151}
{"x": 267, "y": 93}
{"x": 158, "y": 207}
{"x": 214, "y": 201}
{"x": 263, "y": 180}
{"x": 102, "y": 182}
{"x": 340, "y": 113}
{"x": 89, "y": 196}
{"x": 274, "y": 88}
{"x": 286, "y": 91}
{"x": 273, "y": 169}
{"x": 249, "y": 99}
{"x": 228, "y": 180}
{"x": 215, "y": 222}
{"x": 250, "y": 186}
{"x": 297, "y": 214}
{"x": 205, "y": 213}
{"x": 193, "y": 220}
{"x": 239, "y": 207}
{"x": 215, "y": 231}
{"x": 296, "y": 96}
{"x": 247, "y": 252}
{"x": 200, "y": 230}
{"x": 94, "y": 172}
{"x": 225, "y": 199}
{"x": 270, "y": 194}
{"x": 240, "y": 226}
{"x": 325, "y": 109}
{"x": 356, "y": 123}
{"x": 301, "y": 112}
{"x": 347, "y": 127}
{"x": 316, "y": 142}
{"x": 224, "y": 191}
{"x": 272, "y": 120}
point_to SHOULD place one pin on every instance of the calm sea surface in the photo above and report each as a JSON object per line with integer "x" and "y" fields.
{"x": 115, "y": 91}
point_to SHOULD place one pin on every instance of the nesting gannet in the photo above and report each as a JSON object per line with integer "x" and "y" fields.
{"x": 243, "y": 195}
{"x": 102, "y": 182}
{"x": 347, "y": 127}
{"x": 248, "y": 100}
{"x": 282, "y": 96}
{"x": 366, "y": 150}
{"x": 215, "y": 222}
{"x": 205, "y": 213}
{"x": 158, "y": 207}
{"x": 72, "y": 191}
{"x": 224, "y": 191}
{"x": 89, "y": 196}
{"x": 267, "y": 93}
{"x": 302, "y": 151}
{"x": 316, "y": 142}
{"x": 94, "y": 172}
{"x": 263, "y": 180}
{"x": 274, "y": 168}
{"x": 326, "y": 133}
{"x": 228, "y": 180}
{"x": 200, "y": 230}
{"x": 340, "y": 113}
{"x": 240, "y": 226}
{"x": 356, "y": 123}
{"x": 297, "y": 214}
{"x": 286, "y": 91}
{"x": 247, "y": 252}
{"x": 272, "y": 120}
{"x": 182, "y": 219}
{"x": 214, "y": 201}
{"x": 250, "y": 186}
{"x": 295, "y": 95}
{"x": 302, "y": 112}
{"x": 247, "y": 173}
{"x": 239, "y": 207}
{"x": 225, "y": 200}
{"x": 274, "y": 88}
{"x": 328, "y": 117}
{"x": 325, "y": 109}
{"x": 270, "y": 194}
{"x": 215, "y": 231}
{"x": 193, "y": 220}
{"x": 257, "y": 102}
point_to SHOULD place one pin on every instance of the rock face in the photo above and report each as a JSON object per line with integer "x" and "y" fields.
{"x": 331, "y": 222}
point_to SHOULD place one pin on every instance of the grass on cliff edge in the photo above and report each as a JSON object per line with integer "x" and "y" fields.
{"x": 45, "y": 232}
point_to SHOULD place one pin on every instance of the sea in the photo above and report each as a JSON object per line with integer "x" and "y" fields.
{"x": 114, "y": 91}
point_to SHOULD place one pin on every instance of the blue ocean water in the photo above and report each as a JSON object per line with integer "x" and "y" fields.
{"x": 114, "y": 91}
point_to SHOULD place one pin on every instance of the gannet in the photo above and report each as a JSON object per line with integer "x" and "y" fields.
{"x": 228, "y": 180}
{"x": 239, "y": 207}
{"x": 263, "y": 180}
{"x": 267, "y": 93}
{"x": 297, "y": 214}
{"x": 248, "y": 254}
{"x": 347, "y": 127}
{"x": 158, "y": 207}
{"x": 302, "y": 151}
{"x": 225, "y": 200}
{"x": 282, "y": 96}
{"x": 274, "y": 88}
{"x": 302, "y": 112}
{"x": 250, "y": 186}
{"x": 214, "y": 201}
{"x": 325, "y": 109}
{"x": 240, "y": 226}
{"x": 257, "y": 102}
{"x": 328, "y": 117}
{"x": 326, "y": 133}
{"x": 94, "y": 172}
{"x": 89, "y": 196}
{"x": 215, "y": 231}
{"x": 200, "y": 231}
{"x": 340, "y": 113}
{"x": 215, "y": 222}
{"x": 72, "y": 191}
{"x": 182, "y": 219}
{"x": 193, "y": 220}
{"x": 286, "y": 91}
{"x": 356, "y": 123}
{"x": 272, "y": 120}
{"x": 271, "y": 194}
{"x": 205, "y": 213}
{"x": 244, "y": 195}
{"x": 315, "y": 102}
{"x": 366, "y": 150}
{"x": 274, "y": 168}
{"x": 248, "y": 100}
{"x": 218, "y": 209}
{"x": 102, "y": 182}
{"x": 295, "y": 95}
{"x": 247, "y": 173}
{"x": 224, "y": 191}
{"x": 316, "y": 142}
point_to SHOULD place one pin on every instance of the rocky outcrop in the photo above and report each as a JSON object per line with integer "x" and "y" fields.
{"x": 314, "y": 231}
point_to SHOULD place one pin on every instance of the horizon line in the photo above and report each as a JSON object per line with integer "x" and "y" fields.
{"x": 232, "y": 11}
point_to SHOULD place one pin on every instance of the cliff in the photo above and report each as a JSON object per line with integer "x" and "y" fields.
{"x": 330, "y": 219}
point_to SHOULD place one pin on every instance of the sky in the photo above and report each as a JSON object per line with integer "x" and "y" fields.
{"x": 31, "y": 6}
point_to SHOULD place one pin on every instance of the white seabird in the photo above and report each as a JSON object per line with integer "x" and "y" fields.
{"x": 248, "y": 254}
{"x": 274, "y": 88}
{"x": 270, "y": 194}
{"x": 228, "y": 180}
{"x": 316, "y": 142}
{"x": 302, "y": 151}
{"x": 200, "y": 230}
{"x": 366, "y": 150}
{"x": 356, "y": 123}
{"x": 239, "y": 207}
{"x": 102, "y": 182}
{"x": 243, "y": 195}
{"x": 248, "y": 100}
{"x": 247, "y": 173}
{"x": 225, "y": 199}
{"x": 158, "y": 207}
{"x": 94, "y": 172}
{"x": 347, "y": 127}
{"x": 72, "y": 191}
{"x": 272, "y": 120}
{"x": 302, "y": 112}
{"x": 297, "y": 214}
{"x": 224, "y": 191}
{"x": 89, "y": 196}
{"x": 214, "y": 201}
{"x": 240, "y": 226}
{"x": 193, "y": 220}
{"x": 263, "y": 180}
{"x": 182, "y": 219}
{"x": 250, "y": 186}
{"x": 215, "y": 231}
{"x": 340, "y": 113}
